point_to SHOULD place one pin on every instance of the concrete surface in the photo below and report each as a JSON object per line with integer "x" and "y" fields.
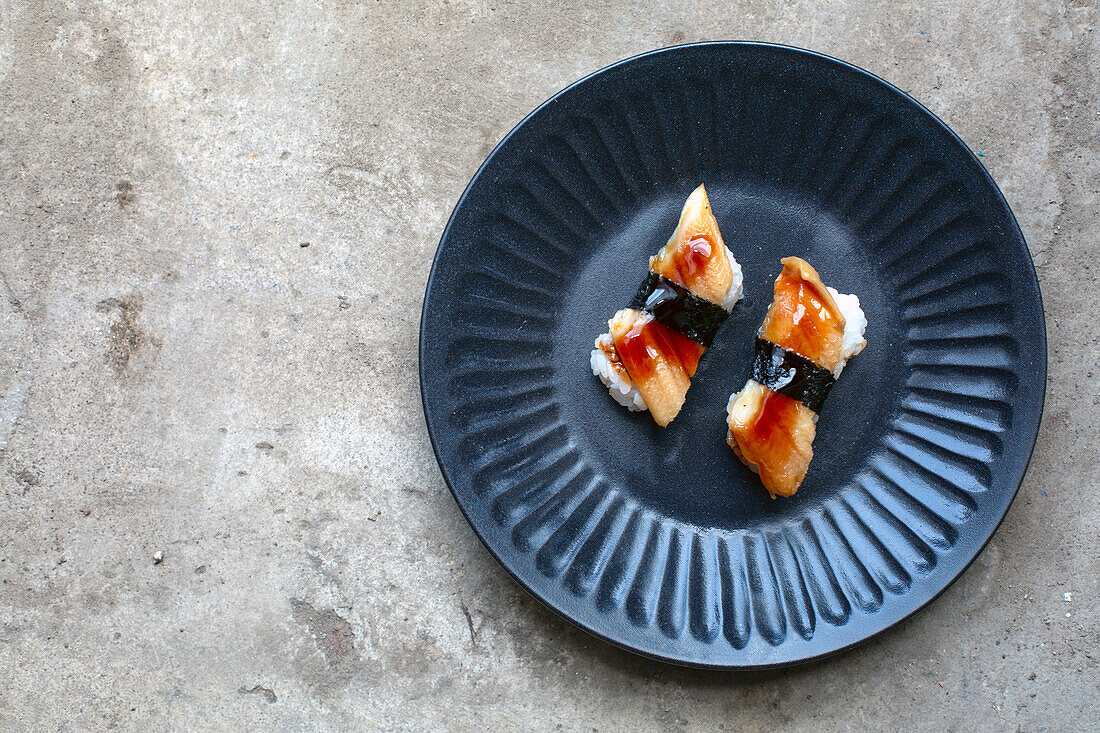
{"x": 181, "y": 374}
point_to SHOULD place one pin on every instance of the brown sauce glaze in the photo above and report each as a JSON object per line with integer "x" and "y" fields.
{"x": 648, "y": 340}
{"x": 688, "y": 261}
{"x": 803, "y": 317}
{"x": 607, "y": 345}
{"x": 771, "y": 446}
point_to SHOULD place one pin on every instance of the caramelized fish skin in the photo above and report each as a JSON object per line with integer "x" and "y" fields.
{"x": 656, "y": 359}
{"x": 659, "y": 360}
{"x": 695, "y": 256}
{"x": 773, "y": 435}
{"x": 803, "y": 316}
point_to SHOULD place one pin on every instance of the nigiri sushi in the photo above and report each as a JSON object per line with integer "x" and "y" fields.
{"x": 808, "y": 335}
{"x": 652, "y": 347}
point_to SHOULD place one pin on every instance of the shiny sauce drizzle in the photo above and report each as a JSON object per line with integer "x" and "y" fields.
{"x": 648, "y": 340}
{"x": 775, "y": 421}
{"x": 694, "y": 255}
{"x": 688, "y": 261}
{"x": 800, "y": 321}
{"x": 607, "y": 346}
{"x": 769, "y": 444}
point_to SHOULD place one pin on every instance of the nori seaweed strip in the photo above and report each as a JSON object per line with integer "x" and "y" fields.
{"x": 791, "y": 374}
{"x": 675, "y": 306}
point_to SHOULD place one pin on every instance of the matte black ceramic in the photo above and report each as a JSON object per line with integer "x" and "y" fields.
{"x": 659, "y": 540}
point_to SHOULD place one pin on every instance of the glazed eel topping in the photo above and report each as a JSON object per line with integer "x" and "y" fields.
{"x": 653, "y": 346}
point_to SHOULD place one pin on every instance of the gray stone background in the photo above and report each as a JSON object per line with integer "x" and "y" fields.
{"x": 181, "y": 374}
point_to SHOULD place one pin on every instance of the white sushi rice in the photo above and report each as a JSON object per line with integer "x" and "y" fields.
{"x": 737, "y": 284}
{"x": 626, "y": 395}
{"x": 855, "y": 324}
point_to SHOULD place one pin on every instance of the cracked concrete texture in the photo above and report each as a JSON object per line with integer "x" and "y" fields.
{"x": 217, "y": 219}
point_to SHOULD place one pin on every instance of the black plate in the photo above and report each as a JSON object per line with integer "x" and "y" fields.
{"x": 660, "y": 541}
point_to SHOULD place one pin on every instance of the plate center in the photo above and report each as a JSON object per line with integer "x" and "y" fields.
{"x": 687, "y": 471}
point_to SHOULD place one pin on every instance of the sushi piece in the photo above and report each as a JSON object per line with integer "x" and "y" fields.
{"x": 808, "y": 335}
{"x": 652, "y": 347}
